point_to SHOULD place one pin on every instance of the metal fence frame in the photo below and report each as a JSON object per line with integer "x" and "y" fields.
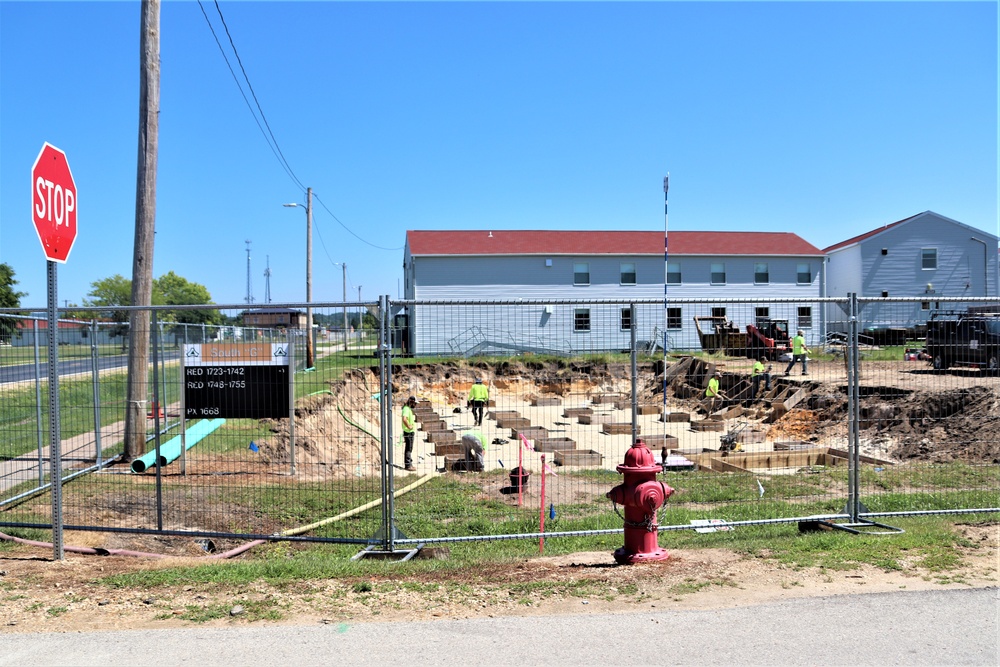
{"x": 855, "y": 516}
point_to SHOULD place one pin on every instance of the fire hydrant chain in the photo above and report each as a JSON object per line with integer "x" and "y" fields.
{"x": 648, "y": 522}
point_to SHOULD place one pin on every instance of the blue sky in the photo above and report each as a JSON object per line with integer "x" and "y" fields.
{"x": 823, "y": 119}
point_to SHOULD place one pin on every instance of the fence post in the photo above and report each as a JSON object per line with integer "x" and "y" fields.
{"x": 385, "y": 408}
{"x": 635, "y": 372}
{"x": 38, "y": 406}
{"x": 96, "y": 381}
{"x": 154, "y": 332}
{"x": 853, "y": 408}
{"x": 291, "y": 401}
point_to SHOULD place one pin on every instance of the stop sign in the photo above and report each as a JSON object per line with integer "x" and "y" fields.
{"x": 53, "y": 203}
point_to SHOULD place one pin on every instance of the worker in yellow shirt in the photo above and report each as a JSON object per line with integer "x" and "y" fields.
{"x": 479, "y": 396}
{"x": 712, "y": 392}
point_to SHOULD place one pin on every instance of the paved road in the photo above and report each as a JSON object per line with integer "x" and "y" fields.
{"x": 955, "y": 627}
{"x": 26, "y": 372}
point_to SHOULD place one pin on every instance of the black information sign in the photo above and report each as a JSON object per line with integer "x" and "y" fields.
{"x": 236, "y": 392}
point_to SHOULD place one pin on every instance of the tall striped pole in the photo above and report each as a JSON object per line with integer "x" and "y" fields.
{"x": 666, "y": 271}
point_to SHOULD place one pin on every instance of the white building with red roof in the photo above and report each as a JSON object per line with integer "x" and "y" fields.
{"x": 507, "y": 265}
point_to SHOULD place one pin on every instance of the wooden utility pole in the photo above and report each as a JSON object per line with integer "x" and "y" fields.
{"x": 145, "y": 222}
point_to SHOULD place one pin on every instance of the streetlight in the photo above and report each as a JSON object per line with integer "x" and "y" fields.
{"x": 309, "y": 268}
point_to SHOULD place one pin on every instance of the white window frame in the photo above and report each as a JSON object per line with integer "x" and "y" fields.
{"x": 804, "y": 321}
{"x": 578, "y": 315}
{"x": 757, "y": 272}
{"x": 626, "y": 315}
{"x": 577, "y": 272}
{"x": 623, "y": 272}
{"x": 799, "y": 271}
{"x": 675, "y": 315}
{"x": 926, "y": 253}
{"x": 713, "y": 272}
{"x": 674, "y": 269}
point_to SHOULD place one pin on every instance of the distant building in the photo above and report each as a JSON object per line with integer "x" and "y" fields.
{"x": 274, "y": 318}
{"x": 927, "y": 256}
{"x": 610, "y": 265}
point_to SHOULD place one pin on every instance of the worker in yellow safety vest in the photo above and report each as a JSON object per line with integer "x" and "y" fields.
{"x": 479, "y": 396}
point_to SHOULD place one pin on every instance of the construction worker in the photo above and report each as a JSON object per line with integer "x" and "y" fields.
{"x": 799, "y": 353}
{"x": 474, "y": 444}
{"x": 758, "y": 372}
{"x": 713, "y": 392}
{"x": 479, "y": 396}
{"x": 409, "y": 432}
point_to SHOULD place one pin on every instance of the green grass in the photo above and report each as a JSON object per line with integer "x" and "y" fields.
{"x": 929, "y": 544}
{"x": 19, "y": 355}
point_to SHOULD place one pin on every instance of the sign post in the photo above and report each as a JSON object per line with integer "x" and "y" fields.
{"x": 53, "y": 212}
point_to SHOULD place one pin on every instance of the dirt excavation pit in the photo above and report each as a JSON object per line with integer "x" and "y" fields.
{"x": 923, "y": 416}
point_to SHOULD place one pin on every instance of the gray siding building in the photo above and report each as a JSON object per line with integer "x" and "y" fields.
{"x": 927, "y": 256}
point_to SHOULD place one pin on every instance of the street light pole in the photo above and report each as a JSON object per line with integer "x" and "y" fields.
{"x": 309, "y": 253}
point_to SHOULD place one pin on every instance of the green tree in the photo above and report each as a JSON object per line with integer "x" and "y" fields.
{"x": 171, "y": 289}
{"x": 110, "y": 293}
{"x": 9, "y": 298}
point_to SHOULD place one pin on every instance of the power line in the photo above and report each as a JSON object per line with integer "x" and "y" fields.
{"x": 268, "y": 135}
{"x": 274, "y": 149}
{"x": 254, "y": 94}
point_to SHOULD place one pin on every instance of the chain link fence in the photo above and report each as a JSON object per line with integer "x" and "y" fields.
{"x": 883, "y": 407}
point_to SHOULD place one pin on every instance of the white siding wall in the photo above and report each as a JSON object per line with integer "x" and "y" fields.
{"x": 447, "y": 330}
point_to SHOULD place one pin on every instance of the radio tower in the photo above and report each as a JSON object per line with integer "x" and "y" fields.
{"x": 267, "y": 281}
{"x": 249, "y": 281}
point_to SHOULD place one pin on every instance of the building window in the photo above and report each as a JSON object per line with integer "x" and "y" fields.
{"x": 673, "y": 273}
{"x": 626, "y": 319}
{"x": 581, "y": 273}
{"x": 581, "y": 319}
{"x": 627, "y": 272}
{"x": 803, "y": 276}
{"x": 718, "y": 273}
{"x": 926, "y": 305}
{"x": 805, "y": 317}
{"x": 760, "y": 274}
{"x": 928, "y": 258}
{"x": 674, "y": 318}
{"x": 718, "y": 312}
{"x": 761, "y": 313}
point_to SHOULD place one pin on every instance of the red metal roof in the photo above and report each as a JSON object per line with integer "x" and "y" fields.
{"x": 862, "y": 237}
{"x": 538, "y": 242}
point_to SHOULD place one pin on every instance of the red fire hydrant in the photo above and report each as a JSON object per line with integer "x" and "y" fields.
{"x": 641, "y": 495}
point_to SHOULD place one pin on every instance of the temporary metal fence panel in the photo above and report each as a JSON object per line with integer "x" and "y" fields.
{"x": 571, "y": 385}
{"x": 929, "y": 405}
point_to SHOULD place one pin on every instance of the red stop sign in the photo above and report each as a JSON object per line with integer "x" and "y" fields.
{"x": 53, "y": 203}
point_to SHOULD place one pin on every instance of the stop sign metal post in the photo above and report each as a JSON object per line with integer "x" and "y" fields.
{"x": 53, "y": 212}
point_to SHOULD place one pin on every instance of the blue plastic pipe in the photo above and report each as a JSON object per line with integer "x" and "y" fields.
{"x": 170, "y": 450}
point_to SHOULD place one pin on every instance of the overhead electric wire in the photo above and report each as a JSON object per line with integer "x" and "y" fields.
{"x": 268, "y": 134}
{"x": 325, "y": 208}
{"x": 243, "y": 93}
{"x": 256, "y": 101}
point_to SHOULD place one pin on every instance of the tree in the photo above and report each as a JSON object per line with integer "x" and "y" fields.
{"x": 112, "y": 292}
{"x": 169, "y": 289}
{"x": 9, "y": 298}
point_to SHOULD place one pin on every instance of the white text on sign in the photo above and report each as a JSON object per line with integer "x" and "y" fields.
{"x": 54, "y": 203}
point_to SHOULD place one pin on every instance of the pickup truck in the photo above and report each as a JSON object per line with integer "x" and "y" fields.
{"x": 967, "y": 340}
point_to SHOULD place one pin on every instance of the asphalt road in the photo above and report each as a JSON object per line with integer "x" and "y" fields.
{"x": 26, "y": 372}
{"x": 954, "y": 627}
